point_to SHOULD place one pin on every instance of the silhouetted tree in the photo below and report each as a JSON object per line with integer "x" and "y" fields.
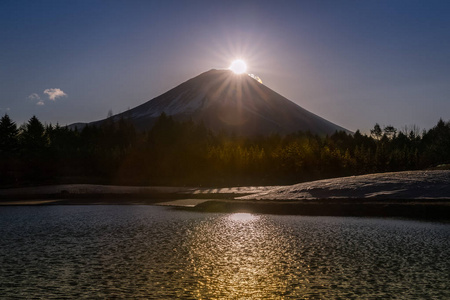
{"x": 33, "y": 138}
{"x": 174, "y": 153}
{"x": 35, "y": 153}
{"x": 437, "y": 141}
{"x": 376, "y": 132}
{"x": 9, "y": 146}
{"x": 390, "y": 131}
{"x": 8, "y": 136}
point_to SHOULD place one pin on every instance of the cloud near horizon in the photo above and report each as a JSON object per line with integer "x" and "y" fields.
{"x": 53, "y": 94}
{"x": 34, "y": 96}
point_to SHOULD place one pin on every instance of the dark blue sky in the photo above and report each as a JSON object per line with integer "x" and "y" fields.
{"x": 352, "y": 62}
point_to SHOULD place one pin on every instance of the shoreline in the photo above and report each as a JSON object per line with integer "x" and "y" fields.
{"x": 410, "y": 194}
{"x": 431, "y": 210}
{"x": 437, "y": 210}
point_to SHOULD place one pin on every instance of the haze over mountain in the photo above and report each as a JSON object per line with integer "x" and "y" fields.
{"x": 228, "y": 102}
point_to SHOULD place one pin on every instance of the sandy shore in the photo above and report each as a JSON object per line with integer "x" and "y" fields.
{"x": 416, "y": 194}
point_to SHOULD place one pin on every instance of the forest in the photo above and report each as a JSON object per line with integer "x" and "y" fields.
{"x": 185, "y": 153}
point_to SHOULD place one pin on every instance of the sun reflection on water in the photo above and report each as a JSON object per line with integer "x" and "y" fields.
{"x": 139, "y": 252}
{"x": 239, "y": 257}
{"x": 243, "y": 217}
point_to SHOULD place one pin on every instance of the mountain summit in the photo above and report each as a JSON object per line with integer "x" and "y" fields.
{"x": 224, "y": 101}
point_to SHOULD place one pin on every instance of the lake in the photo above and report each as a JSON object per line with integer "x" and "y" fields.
{"x": 151, "y": 252}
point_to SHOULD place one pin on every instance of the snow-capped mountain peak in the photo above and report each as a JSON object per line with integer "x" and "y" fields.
{"x": 225, "y": 101}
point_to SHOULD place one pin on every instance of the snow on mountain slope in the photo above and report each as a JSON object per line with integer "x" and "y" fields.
{"x": 234, "y": 103}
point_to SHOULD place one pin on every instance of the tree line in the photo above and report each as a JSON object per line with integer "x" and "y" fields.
{"x": 185, "y": 153}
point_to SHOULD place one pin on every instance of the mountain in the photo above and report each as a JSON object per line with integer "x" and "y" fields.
{"x": 224, "y": 101}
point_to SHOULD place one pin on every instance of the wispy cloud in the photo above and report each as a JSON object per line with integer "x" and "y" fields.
{"x": 53, "y": 94}
{"x": 34, "y": 96}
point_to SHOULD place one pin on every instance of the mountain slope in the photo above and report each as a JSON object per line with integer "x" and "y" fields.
{"x": 233, "y": 103}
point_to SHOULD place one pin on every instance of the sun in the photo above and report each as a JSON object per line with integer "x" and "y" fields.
{"x": 238, "y": 66}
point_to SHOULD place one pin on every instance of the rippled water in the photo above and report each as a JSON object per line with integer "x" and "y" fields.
{"x": 152, "y": 252}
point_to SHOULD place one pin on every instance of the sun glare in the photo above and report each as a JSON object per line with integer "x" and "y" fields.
{"x": 242, "y": 217}
{"x": 238, "y": 66}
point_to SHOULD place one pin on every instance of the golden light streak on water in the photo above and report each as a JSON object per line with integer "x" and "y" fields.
{"x": 243, "y": 217}
{"x": 232, "y": 259}
{"x": 144, "y": 252}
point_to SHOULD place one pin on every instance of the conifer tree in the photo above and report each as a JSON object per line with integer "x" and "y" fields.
{"x": 33, "y": 136}
{"x": 8, "y": 136}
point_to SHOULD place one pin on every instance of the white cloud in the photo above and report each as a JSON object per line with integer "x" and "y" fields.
{"x": 34, "y": 96}
{"x": 53, "y": 94}
{"x": 255, "y": 77}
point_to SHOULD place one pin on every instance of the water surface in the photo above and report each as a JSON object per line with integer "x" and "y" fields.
{"x": 151, "y": 252}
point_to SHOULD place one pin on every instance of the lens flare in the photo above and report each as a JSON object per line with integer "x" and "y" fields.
{"x": 238, "y": 66}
